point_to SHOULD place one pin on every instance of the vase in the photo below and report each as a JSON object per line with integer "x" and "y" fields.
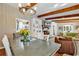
{"x": 25, "y": 39}
{"x": 26, "y": 43}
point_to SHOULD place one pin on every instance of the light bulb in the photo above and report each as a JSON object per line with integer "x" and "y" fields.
{"x": 31, "y": 11}
{"x": 24, "y": 10}
{"x": 20, "y": 5}
{"x": 35, "y": 8}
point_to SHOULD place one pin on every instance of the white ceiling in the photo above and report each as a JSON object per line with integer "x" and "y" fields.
{"x": 47, "y": 7}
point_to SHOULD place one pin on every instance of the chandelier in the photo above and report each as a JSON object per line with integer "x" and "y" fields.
{"x": 27, "y": 9}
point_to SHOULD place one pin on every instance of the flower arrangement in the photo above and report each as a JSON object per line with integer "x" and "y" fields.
{"x": 24, "y": 33}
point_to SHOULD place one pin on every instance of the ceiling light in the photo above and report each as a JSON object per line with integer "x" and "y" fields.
{"x": 25, "y": 9}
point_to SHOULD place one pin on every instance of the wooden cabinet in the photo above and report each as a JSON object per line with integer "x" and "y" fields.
{"x": 2, "y": 52}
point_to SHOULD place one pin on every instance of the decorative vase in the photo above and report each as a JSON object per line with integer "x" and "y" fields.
{"x": 26, "y": 43}
{"x": 25, "y": 40}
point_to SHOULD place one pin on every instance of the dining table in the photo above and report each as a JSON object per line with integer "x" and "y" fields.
{"x": 35, "y": 47}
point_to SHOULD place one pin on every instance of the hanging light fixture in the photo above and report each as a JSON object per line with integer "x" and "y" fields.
{"x": 26, "y": 9}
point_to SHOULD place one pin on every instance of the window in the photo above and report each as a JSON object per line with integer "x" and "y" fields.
{"x": 22, "y": 24}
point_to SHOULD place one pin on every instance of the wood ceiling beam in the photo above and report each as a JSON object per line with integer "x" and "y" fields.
{"x": 66, "y": 16}
{"x": 71, "y": 21}
{"x": 75, "y": 7}
{"x": 67, "y": 20}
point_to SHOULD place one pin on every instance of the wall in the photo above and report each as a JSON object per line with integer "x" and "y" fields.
{"x": 8, "y": 16}
{"x": 36, "y": 28}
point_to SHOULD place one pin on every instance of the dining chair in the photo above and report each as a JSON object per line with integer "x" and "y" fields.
{"x": 6, "y": 45}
